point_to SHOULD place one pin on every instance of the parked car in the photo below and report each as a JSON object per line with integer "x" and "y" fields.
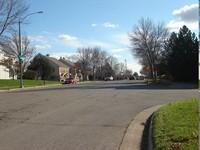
{"x": 108, "y": 78}
{"x": 70, "y": 81}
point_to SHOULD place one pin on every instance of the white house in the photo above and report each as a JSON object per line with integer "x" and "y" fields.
{"x": 4, "y": 72}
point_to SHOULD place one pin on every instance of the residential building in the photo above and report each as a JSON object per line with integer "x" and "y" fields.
{"x": 60, "y": 70}
{"x": 4, "y": 72}
{"x": 74, "y": 72}
{"x": 67, "y": 62}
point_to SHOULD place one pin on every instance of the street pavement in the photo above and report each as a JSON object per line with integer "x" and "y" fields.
{"x": 91, "y": 116}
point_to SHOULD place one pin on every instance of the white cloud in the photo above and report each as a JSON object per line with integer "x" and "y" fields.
{"x": 44, "y": 46}
{"x": 174, "y": 25}
{"x": 187, "y": 15}
{"x": 117, "y": 56}
{"x": 122, "y": 38}
{"x": 66, "y": 37}
{"x": 69, "y": 40}
{"x": 109, "y": 25}
{"x": 94, "y": 25}
{"x": 76, "y": 43}
{"x": 68, "y": 56}
{"x": 134, "y": 67}
{"x": 106, "y": 25}
{"x": 94, "y": 43}
{"x": 37, "y": 39}
{"x": 118, "y": 50}
{"x": 40, "y": 42}
{"x": 46, "y": 33}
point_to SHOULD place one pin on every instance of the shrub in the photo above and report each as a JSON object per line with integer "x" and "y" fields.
{"x": 30, "y": 74}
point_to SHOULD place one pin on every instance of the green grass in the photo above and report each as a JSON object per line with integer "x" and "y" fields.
{"x": 11, "y": 84}
{"x": 199, "y": 84}
{"x": 176, "y": 127}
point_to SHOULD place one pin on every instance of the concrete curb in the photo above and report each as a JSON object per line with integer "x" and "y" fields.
{"x": 150, "y": 134}
{"x": 42, "y": 86}
{"x": 133, "y": 136}
{"x": 32, "y": 87}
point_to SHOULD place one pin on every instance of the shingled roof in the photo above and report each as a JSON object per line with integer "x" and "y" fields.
{"x": 67, "y": 62}
{"x": 56, "y": 61}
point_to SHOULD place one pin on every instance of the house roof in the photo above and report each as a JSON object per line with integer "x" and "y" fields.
{"x": 67, "y": 62}
{"x": 56, "y": 61}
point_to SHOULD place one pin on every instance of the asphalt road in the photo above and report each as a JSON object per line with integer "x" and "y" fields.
{"x": 91, "y": 116}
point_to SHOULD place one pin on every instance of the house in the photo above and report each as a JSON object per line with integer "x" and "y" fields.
{"x": 4, "y": 72}
{"x": 66, "y": 62}
{"x": 74, "y": 72}
{"x": 60, "y": 70}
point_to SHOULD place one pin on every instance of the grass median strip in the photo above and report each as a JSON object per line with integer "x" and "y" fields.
{"x": 176, "y": 126}
{"x": 11, "y": 84}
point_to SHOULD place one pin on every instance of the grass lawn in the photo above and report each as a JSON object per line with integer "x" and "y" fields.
{"x": 10, "y": 84}
{"x": 176, "y": 126}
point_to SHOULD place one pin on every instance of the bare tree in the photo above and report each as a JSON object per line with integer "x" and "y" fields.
{"x": 95, "y": 60}
{"x": 10, "y": 13}
{"x": 113, "y": 62}
{"x": 102, "y": 61}
{"x": 121, "y": 67}
{"x": 84, "y": 57}
{"x": 11, "y": 48}
{"x": 147, "y": 42}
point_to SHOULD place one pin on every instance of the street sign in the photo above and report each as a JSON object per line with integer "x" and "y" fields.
{"x": 21, "y": 57}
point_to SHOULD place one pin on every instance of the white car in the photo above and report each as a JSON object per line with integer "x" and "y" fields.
{"x": 108, "y": 78}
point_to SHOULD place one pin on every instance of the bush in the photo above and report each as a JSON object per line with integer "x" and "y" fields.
{"x": 30, "y": 74}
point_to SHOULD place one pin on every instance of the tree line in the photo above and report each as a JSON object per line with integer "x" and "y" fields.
{"x": 174, "y": 55}
{"x": 98, "y": 64}
{"x": 92, "y": 63}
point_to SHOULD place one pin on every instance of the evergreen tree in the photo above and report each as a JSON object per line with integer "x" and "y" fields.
{"x": 42, "y": 66}
{"x": 182, "y": 55}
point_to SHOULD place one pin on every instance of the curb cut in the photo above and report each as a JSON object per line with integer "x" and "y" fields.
{"x": 133, "y": 136}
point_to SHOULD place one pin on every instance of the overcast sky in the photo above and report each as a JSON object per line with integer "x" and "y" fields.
{"x": 66, "y": 25}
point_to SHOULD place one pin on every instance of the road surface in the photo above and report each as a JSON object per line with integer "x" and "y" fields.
{"x": 91, "y": 116}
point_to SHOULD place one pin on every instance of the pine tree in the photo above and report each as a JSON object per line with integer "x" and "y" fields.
{"x": 182, "y": 59}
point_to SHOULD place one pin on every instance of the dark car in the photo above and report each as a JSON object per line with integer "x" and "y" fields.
{"x": 70, "y": 81}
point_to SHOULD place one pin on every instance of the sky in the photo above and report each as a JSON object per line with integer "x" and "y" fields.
{"x": 66, "y": 25}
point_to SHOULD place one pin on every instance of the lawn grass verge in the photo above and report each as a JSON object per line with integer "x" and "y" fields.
{"x": 175, "y": 126}
{"x": 11, "y": 84}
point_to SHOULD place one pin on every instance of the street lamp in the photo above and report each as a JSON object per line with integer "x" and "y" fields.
{"x": 125, "y": 64}
{"x": 20, "y": 56}
{"x": 125, "y": 71}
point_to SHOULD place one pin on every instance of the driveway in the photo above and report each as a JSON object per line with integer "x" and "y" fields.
{"x": 79, "y": 117}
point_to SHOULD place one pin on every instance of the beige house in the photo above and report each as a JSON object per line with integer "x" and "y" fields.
{"x": 60, "y": 70}
{"x": 67, "y": 62}
{"x": 73, "y": 70}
